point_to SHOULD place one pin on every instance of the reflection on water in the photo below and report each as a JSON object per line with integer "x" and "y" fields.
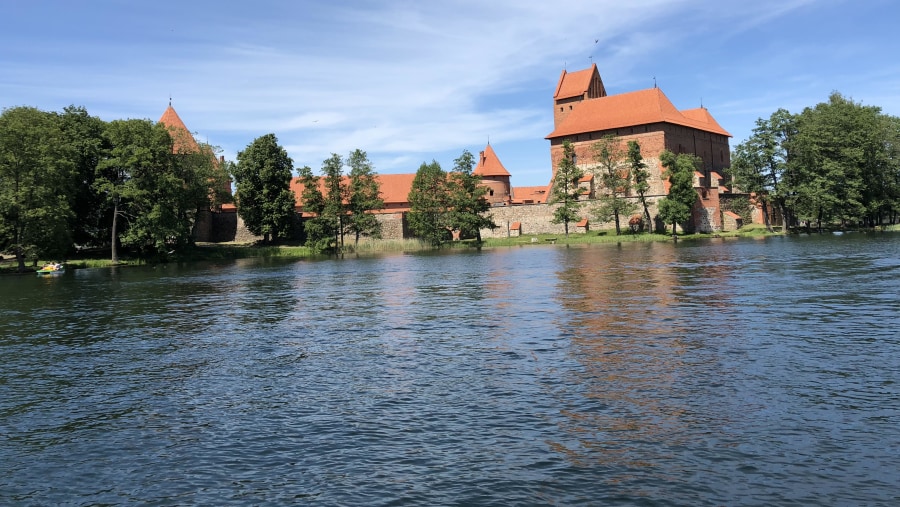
{"x": 717, "y": 373}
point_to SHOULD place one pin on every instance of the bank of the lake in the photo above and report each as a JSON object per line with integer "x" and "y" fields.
{"x": 222, "y": 251}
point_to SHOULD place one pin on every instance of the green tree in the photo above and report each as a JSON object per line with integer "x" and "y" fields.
{"x": 675, "y": 208}
{"x": 641, "y": 178}
{"x": 35, "y": 177}
{"x": 430, "y": 205}
{"x": 760, "y": 165}
{"x": 615, "y": 177}
{"x": 845, "y": 162}
{"x": 467, "y": 199}
{"x": 365, "y": 197}
{"x": 84, "y": 135}
{"x": 334, "y": 213}
{"x": 144, "y": 182}
{"x": 565, "y": 191}
{"x": 264, "y": 199}
{"x": 313, "y": 202}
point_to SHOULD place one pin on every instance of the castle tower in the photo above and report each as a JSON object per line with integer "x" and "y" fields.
{"x": 184, "y": 141}
{"x": 575, "y": 87}
{"x": 494, "y": 176}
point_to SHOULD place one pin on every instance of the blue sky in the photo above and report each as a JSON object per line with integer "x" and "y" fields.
{"x": 410, "y": 81}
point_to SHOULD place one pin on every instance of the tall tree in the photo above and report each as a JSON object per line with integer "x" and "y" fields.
{"x": 334, "y": 213}
{"x": 313, "y": 202}
{"x": 566, "y": 191}
{"x": 365, "y": 197}
{"x": 615, "y": 177}
{"x": 84, "y": 135}
{"x": 761, "y": 166}
{"x": 144, "y": 182}
{"x": 429, "y": 205}
{"x": 641, "y": 179}
{"x": 675, "y": 208}
{"x": 35, "y": 174}
{"x": 467, "y": 199}
{"x": 263, "y": 179}
{"x": 844, "y": 162}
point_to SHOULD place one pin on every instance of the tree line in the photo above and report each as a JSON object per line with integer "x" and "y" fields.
{"x": 70, "y": 180}
{"x": 337, "y": 204}
{"x": 836, "y": 163}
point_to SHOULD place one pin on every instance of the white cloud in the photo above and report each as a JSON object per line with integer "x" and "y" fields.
{"x": 406, "y": 81}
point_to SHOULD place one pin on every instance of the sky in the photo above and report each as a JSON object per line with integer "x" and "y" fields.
{"x": 412, "y": 81}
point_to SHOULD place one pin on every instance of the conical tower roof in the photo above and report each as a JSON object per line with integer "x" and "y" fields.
{"x": 489, "y": 164}
{"x": 184, "y": 141}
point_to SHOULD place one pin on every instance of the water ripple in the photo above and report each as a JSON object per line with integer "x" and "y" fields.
{"x": 722, "y": 373}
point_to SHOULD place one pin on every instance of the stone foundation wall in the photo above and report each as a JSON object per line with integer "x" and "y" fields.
{"x": 533, "y": 219}
{"x": 393, "y": 225}
{"x": 538, "y": 219}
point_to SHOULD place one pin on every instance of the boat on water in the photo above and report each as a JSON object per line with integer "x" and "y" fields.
{"x": 54, "y": 268}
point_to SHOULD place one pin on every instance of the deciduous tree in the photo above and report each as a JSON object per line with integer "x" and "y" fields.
{"x": 35, "y": 173}
{"x": 263, "y": 179}
{"x": 675, "y": 208}
{"x": 760, "y": 165}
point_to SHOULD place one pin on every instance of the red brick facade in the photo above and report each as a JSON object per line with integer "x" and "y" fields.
{"x": 648, "y": 117}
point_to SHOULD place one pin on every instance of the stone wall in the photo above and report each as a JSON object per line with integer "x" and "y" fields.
{"x": 538, "y": 219}
{"x": 203, "y": 227}
{"x": 393, "y": 225}
{"x": 532, "y": 219}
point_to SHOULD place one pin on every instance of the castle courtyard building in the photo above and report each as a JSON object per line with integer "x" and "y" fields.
{"x": 584, "y": 114}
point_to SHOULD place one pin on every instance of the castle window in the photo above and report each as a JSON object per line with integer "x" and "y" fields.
{"x": 560, "y": 109}
{"x": 492, "y": 193}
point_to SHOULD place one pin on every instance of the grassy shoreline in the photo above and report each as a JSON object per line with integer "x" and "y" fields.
{"x": 230, "y": 251}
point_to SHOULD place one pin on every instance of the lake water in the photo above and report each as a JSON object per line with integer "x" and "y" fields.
{"x": 720, "y": 372}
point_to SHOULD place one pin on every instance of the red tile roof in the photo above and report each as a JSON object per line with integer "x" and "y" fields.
{"x": 702, "y": 115}
{"x": 631, "y": 109}
{"x": 536, "y": 195}
{"x": 489, "y": 164}
{"x": 574, "y": 84}
{"x": 394, "y": 190}
{"x": 182, "y": 137}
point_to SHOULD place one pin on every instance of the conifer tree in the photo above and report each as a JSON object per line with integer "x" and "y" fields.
{"x": 467, "y": 201}
{"x": 615, "y": 179}
{"x": 641, "y": 178}
{"x": 565, "y": 190}
{"x": 364, "y": 197}
{"x": 429, "y": 205}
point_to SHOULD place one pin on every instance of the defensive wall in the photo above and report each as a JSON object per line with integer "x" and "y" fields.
{"x": 711, "y": 213}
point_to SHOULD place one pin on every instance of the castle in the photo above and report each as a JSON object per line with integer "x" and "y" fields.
{"x": 583, "y": 114}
